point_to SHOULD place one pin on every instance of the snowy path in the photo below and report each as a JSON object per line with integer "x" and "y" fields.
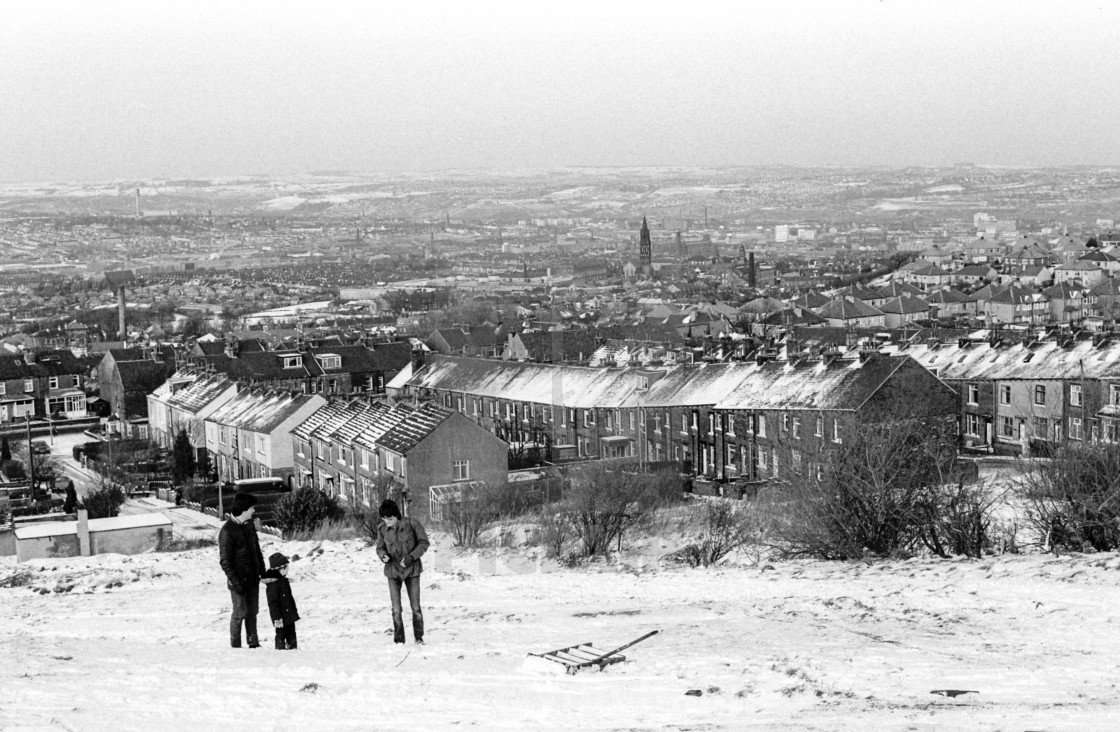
{"x": 139, "y": 643}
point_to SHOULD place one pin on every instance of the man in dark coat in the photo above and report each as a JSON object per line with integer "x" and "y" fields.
{"x": 400, "y": 544}
{"x": 281, "y": 603}
{"x": 239, "y": 552}
{"x": 71, "y": 503}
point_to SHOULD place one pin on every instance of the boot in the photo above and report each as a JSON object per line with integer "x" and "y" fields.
{"x": 251, "y": 632}
{"x": 235, "y": 632}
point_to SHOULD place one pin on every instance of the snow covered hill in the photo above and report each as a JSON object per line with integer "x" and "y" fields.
{"x": 140, "y": 643}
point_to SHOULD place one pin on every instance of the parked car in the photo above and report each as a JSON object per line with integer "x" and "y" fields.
{"x": 40, "y": 448}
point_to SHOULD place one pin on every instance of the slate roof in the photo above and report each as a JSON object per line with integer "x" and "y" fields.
{"x": 408, "y": 432}
{"x": 564, "y": 385}
{"x": 201, "y": 392}
{"x": 560, "y": 345}
{"x": 905, "y": 305}
{"x": 844, "y": 309}
{"x": 839, "y": 385}
{"x": 1047, "y": 360}
{"x": 261, "y": 410}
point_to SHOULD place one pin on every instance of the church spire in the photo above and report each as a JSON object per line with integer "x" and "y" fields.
{"x": 645, "y": 250}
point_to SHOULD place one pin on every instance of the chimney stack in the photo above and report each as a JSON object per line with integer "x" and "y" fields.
{"x": 752, "y": 278}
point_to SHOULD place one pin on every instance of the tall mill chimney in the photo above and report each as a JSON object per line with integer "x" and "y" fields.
{"x": 752, "y": 278}
{"x": 120, "y": 313}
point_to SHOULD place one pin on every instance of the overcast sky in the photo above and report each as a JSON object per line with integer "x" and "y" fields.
{"x": 107, "y": 90}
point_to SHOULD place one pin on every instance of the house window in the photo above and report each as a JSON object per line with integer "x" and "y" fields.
{"x": 731, "y": 456}
{"x": 29, "y": 385}
{"x": 1113, "y": 395}
{"x": 695, "y": 420}
{"x": 1042, "y": 427}
{"x": 260, "y": 444}
{"x": 729, "y": 424}
{"x": 509, "y": 410}
{"x": 587, "y": 421}
{"x": 1075, "y": 428}
{"x": 459, "y": 404}
{"x": 711, "y": 423}
{"x": 1110, "y": 430}
{"x": 819, "y": 432}
{"x": 797, "y": 428}
{"x": 330, "y": 361}
{"x": 53, "y": 382}
{"x": 761, "y": 462}
{"x": 461, "y": 470}
{"x": 3, "y": 388}
{"x": 1094, "y": 431}
{"x": 795, "y": 461}
{"x": 1039, "y": 394}
{"x": 474, "y": 407}
{"x": 293, "y": 362}
{"x": 684, "y": 423}
{"x": 1006, "y": 427}
{"x": 389, "y": 461}
{"x": 319, "y": 450}
{"x": 1075, "y": 395}
{"x": 762, "y": 425}
{"x": 365, "y": 459}
{"x": 836, "y": 431}
{"x": 774, "y": 462}
{"x": 1005, "y": 394}
{"x": 633, "y": 421}
{"x": 785, "y": 422}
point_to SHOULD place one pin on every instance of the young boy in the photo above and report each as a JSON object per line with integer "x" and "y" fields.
{"x": 281, "y": 604}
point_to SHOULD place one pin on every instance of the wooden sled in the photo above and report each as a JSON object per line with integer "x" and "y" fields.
{"x": 584, "y": 655}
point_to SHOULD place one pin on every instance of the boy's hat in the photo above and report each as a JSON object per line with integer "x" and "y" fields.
{"x": 389, "y": 508}
{"x": 277, "y": 560}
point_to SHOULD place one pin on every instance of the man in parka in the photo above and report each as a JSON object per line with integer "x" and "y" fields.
{"x": 239, "y": 553}
{"x": 400, "y": 544}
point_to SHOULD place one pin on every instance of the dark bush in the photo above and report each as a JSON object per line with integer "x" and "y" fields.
{"x": 304, "y": 510}
{"x": 104, "y": 501}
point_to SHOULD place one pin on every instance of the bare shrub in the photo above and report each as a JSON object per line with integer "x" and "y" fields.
{"x": 958, "y": 519}
{"x": 184, "y": 544}
{"x": 331, "y": 529}
{"x": 479, "y": 505}
{"x": 728, "y": 526}
{"x": 603, "y": 503}
{"x": 880, "y": 493}
{"x": 554, "y": 531}
{"x": 1073, "y": 499}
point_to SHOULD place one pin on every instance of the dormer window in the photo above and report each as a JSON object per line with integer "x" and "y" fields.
{"x": 293, "y": 362}
{"x": 329, "y": 361}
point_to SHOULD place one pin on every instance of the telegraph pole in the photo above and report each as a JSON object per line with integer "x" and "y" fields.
{"x": 30, "y": 457}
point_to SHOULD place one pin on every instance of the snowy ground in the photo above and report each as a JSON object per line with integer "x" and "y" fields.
{"x": 140, "y": 643}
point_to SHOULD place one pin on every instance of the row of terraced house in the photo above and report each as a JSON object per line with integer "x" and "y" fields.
{"x": 344, "y": 445}
{"x": 730, "y": 421}
{"x": 749, "y": 419}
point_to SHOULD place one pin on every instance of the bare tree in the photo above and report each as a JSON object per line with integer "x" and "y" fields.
{"x": 1073, "y": 499}
{"x": 881, "y": 492}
